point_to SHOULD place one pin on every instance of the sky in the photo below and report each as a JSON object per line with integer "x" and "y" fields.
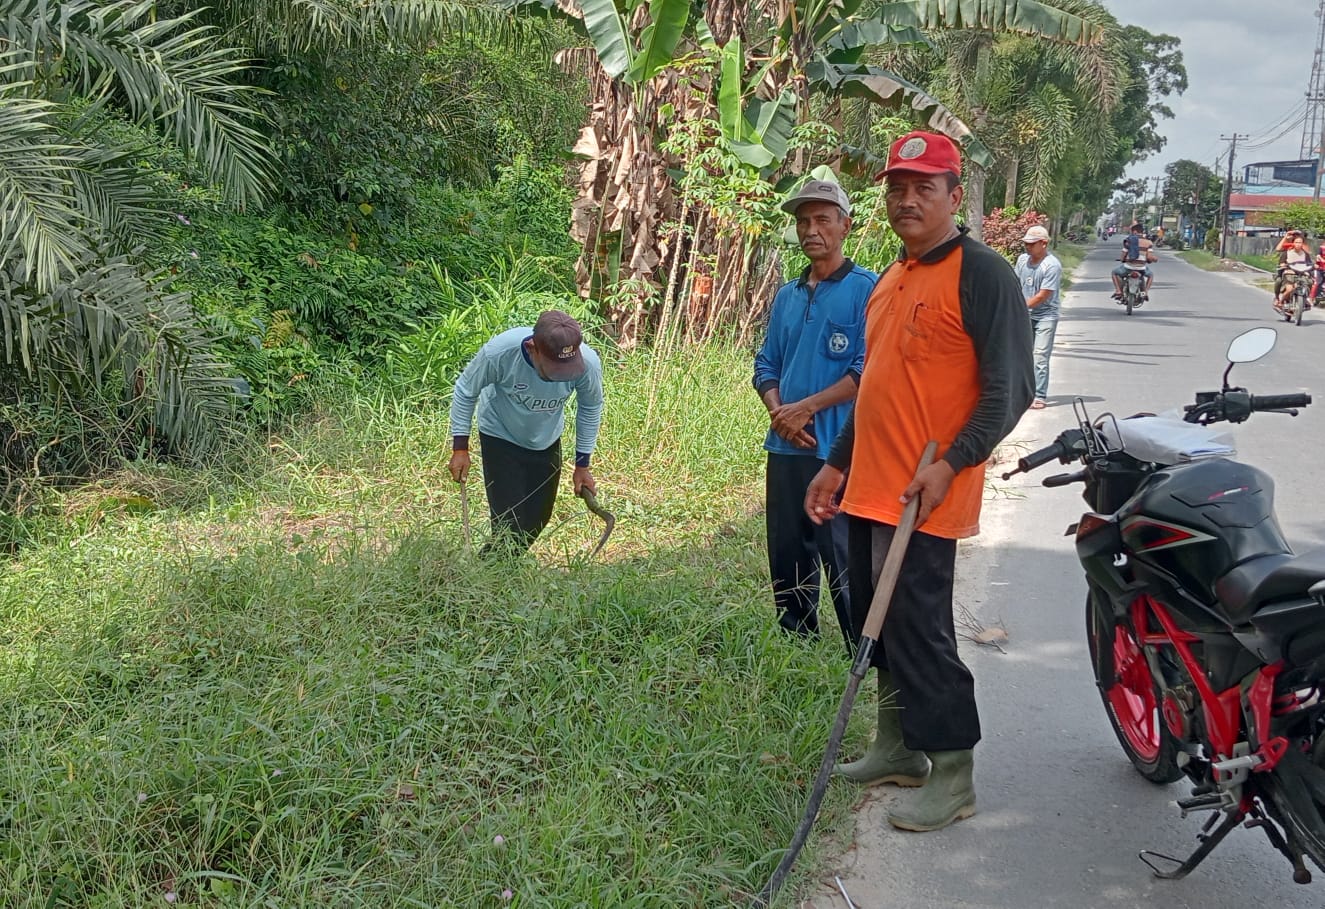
{"x": 1248, "y": 67}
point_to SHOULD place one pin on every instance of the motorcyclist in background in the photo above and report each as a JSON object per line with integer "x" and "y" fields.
{"x": 1136, "y": 249}
{"x": 1320, "y": 275}
{"x": 1296, "y": 254}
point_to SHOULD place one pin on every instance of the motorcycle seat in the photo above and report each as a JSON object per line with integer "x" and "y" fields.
{"x": 1263, "y": 580}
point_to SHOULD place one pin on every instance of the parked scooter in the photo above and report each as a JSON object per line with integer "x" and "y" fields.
{"x": 1206, "y": 632}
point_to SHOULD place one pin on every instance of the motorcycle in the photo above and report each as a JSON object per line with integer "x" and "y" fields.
{"x": 1206, "y": 633}
{"x": 1300, "y": 275}
{"x": 1134, "y": 285}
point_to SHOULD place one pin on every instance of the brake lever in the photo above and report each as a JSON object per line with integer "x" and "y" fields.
{"x": 1064, "y": 479}
{"x": 1291, "y": 411}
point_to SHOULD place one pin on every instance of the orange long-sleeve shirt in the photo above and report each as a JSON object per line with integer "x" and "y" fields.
{"x": 947, "y": 356}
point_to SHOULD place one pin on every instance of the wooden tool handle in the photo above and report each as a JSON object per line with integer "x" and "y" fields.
{"x": 892, "y": 564}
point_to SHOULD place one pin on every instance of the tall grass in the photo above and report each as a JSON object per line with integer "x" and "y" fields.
{"x": 296, "y": 688}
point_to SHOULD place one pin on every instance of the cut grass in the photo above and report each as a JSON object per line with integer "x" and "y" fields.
{"x": 295, "y": 688}
{"x": 1264, "y": 263}
{"x": 1210, "y": 262}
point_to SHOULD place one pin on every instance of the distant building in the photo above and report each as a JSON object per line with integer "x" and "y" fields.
{"x": 1267, "y": 185}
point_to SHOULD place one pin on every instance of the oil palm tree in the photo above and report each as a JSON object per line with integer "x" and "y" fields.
{"x": 75, "y": 306}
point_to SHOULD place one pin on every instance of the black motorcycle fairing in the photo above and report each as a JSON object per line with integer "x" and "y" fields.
{"x": 1196, "y": 522}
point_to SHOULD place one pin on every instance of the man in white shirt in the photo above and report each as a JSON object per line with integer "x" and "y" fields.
{"x": 1041, "y": 277}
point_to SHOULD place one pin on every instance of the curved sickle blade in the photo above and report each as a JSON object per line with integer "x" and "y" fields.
{"x": 609, "y": 519}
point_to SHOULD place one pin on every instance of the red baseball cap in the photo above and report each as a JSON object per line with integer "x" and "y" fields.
{"x": 923, "y": 153}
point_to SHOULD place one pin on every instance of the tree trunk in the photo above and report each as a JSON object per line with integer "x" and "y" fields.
{"x": 1010, "y": 194}
{"x": 975, "y": 174}
{"x": 975, "y": 199}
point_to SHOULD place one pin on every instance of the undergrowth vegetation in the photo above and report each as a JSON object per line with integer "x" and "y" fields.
{"x": 295, "y": 686}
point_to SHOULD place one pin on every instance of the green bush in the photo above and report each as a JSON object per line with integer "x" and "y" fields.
{"x": 1212, "y": 240}
{"x": 525, "y": 210}
{"x": 360, "y": 132}
{"x": 294, "y": 303}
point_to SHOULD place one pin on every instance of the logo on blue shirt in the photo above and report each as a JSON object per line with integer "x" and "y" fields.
{"x": 838, "y": 342}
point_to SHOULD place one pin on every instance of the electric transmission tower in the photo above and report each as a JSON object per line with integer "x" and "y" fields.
{"x": 1313, "y": 127}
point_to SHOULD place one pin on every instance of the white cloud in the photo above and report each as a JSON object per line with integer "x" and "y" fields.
{"x": 1248, "y": 65}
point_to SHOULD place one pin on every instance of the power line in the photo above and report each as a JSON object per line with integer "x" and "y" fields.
{"x": 1285, "y": 125}
{"x": 1288, "y": 129}
{"x": 1294, "y": 114}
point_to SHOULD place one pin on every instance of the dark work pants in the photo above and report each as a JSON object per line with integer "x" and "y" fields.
{"x": 522, "y": 488}
{"x": 797, "y": 547}
{"x": 918, "y": 643}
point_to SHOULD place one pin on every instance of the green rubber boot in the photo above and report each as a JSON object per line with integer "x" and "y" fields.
{"x": 948, "y": 796}
{"x": 887, "y": 760}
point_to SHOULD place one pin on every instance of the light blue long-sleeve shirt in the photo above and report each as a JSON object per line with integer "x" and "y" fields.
{"x": 515, "y": 403}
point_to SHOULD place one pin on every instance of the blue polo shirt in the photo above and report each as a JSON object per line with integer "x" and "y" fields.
{"x": 816, "y": 336}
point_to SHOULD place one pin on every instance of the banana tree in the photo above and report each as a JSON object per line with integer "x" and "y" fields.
{"x": 652, "y": 65}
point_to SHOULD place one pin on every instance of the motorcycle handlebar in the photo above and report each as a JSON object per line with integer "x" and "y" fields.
{"x": 1039, "y": 458}
{"x": 1280, "y": 402}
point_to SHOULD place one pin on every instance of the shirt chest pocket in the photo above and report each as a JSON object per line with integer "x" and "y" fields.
{"x": 919, "y": 334}
{"x": 840, "y": 340}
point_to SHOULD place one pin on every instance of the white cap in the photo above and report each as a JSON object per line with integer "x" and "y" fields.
{"x": 1035, "y": 235}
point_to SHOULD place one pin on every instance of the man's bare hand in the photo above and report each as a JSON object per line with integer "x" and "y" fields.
{"x": 459, "y": 466}
{"x": 821, "y": 496}
{"x": 931, "y": 484}
{"x": 789, "y": 422}
{"x": 583, "y": 479}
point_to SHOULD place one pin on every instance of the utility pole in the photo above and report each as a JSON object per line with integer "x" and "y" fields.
{"x": 1159, "y": 201}
{"x": 1313, "y": 124}
{"x": 1228, "y": 189}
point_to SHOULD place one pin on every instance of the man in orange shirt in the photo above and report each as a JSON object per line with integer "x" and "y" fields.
{"x": 948, "y": 356}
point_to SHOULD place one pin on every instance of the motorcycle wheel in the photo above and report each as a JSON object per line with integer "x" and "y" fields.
{"x": 1133, "y": 701}
{"x": 1289, "y": 798}
{"x": 1299, "y": 309}
{"x": 1128, "y": 303}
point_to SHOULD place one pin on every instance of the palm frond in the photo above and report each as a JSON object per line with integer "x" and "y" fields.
{"x": 285, "y": 28}
{"x": 38, "y": 224}
{"x": 109, "y": 319}
{"x": 115, "y": 198}
{"x": 1050, "y": 117}
{"x": 179, "y": 77}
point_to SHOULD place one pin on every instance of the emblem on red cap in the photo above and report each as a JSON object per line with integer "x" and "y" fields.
{"x": 912, "y": 148}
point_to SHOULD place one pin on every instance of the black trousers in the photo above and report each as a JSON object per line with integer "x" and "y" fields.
{"x": 918, "y": 643}
{"x": 797, "y": 547}
{"x": 522, "y": 488}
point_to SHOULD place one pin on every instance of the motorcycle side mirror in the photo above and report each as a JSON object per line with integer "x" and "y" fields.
{"x": 1252, "y": 345}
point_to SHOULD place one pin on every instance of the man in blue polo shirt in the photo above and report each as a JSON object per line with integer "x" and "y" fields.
{"x": 806, "y": 373}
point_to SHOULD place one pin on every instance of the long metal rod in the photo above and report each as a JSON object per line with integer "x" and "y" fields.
{"x": 464, "y": 516}
{"x": 883, "y": 595}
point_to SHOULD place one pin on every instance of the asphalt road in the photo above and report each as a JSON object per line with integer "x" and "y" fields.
{"x": 1062, "y": 815}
